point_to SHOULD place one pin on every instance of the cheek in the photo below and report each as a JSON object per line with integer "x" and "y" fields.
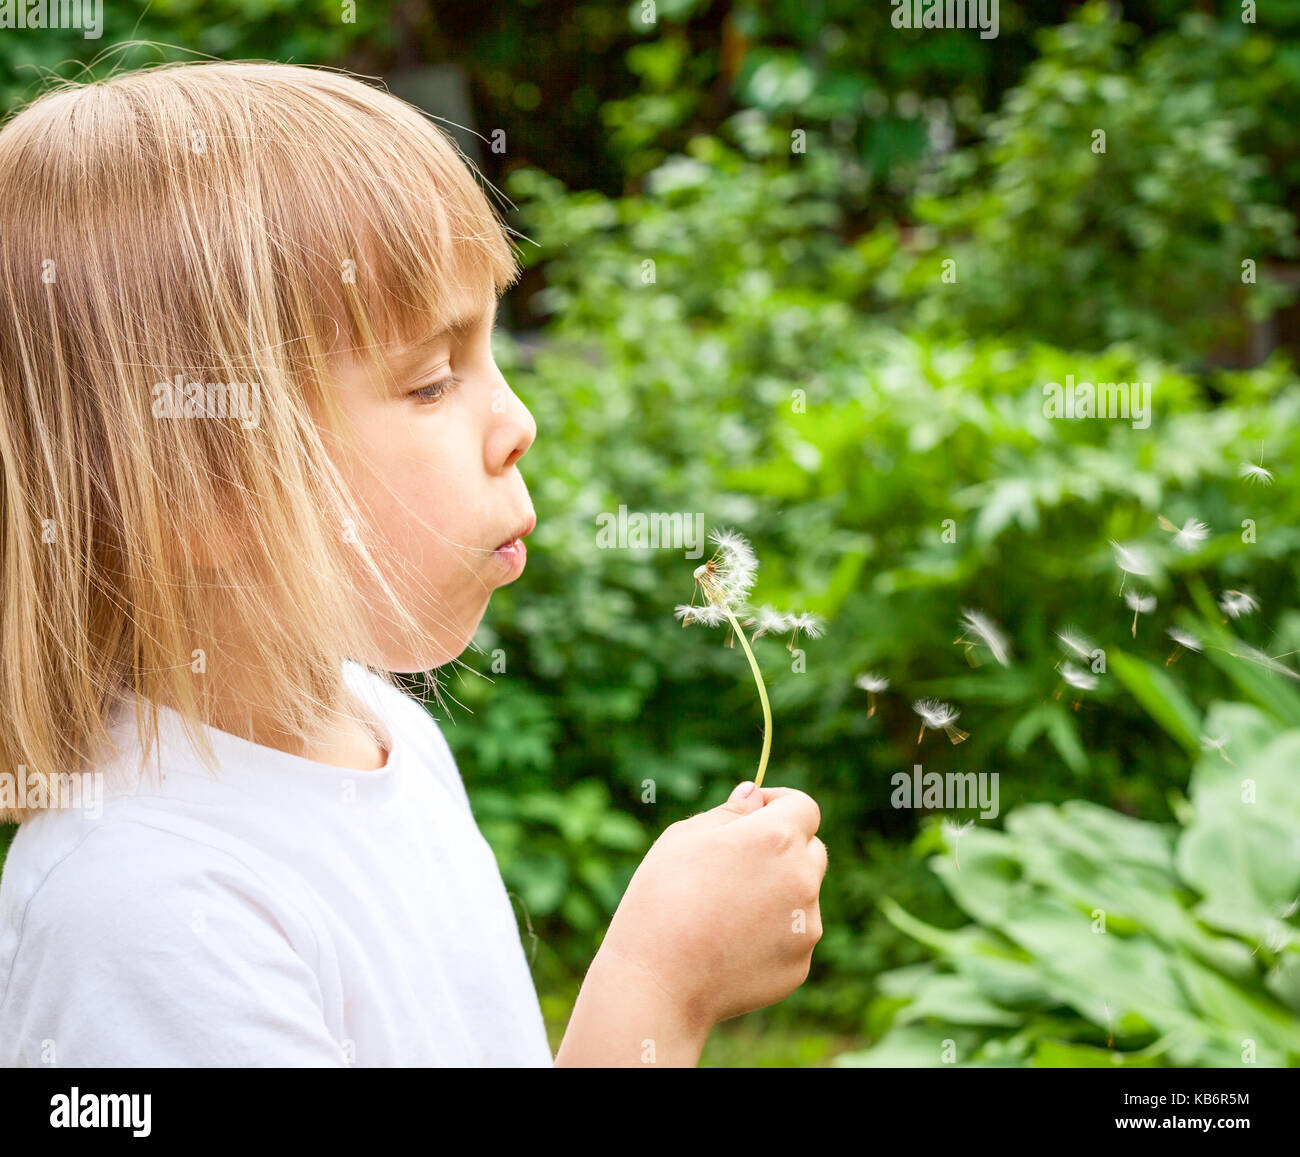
{"x": 426, "y": 508}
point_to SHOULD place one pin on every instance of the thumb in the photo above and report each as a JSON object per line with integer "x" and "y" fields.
{"x": 745, "y": 799}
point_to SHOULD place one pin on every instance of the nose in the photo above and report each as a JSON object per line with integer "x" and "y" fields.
{"x": 514, "y": 429}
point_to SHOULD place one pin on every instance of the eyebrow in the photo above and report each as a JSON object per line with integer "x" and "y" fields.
{"x": 406, "y": 358}
{"x": 455, "y": 326}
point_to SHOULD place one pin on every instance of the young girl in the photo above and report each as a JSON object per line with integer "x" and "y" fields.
{"x": 254, "y": 451}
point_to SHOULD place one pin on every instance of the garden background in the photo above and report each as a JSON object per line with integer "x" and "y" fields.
{"x": 806, "y": 274}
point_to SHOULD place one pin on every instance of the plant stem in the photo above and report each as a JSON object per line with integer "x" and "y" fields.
{"x": 762, "y": 694}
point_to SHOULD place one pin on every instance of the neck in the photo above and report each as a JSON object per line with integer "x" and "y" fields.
{"x": 239, "y": 697}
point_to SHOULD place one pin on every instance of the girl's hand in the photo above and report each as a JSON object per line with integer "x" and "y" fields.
{"x": 723, "y": 911}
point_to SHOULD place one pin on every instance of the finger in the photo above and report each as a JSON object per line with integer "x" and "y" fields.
{"x": 743, "y": 800}
{"x": 792, "y": 805}
{"x": 820, "y": 857}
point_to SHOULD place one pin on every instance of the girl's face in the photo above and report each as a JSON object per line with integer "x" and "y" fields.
{"x": 436, "y": 470}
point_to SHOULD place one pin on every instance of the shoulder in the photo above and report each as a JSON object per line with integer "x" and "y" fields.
{"x": 120, "y": 880}
{"x": 138, "y": 945}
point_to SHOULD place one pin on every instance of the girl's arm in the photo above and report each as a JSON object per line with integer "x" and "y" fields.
{"x": 624, "y": 1017}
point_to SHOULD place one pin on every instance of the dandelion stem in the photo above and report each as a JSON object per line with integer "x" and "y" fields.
{"x": 762, "y": 694}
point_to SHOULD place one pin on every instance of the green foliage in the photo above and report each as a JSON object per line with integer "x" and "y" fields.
{"x": 738, "y": 377}
{"x": 1105, "y": 940}
{"x": 1116, "y": 193}
{"x": 763, "y": 338}
{"x": 310, "y": 32}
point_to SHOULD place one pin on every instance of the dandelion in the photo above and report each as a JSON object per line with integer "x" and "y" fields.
{"x": 1140, "y": 605}
{"x": 1076, "y": 677}
{"x": 870, "y": 682}
{"x": 936, "y": 715}
{"x": 1253, "y": 473}
{"x": 726, "y": 580}
{"x": 1076, "y": 642}
{"x": 1191, "y": 533}
{"x": 728, "y": 576}
{"x": 1183, "y": 641}
{"x": 1216, "y": 743}
{"x": 978, "y": 630}
{"x": 954, "y": 832}
{"x": 1234, "y": 604}
{"x": 1131, "y": 560}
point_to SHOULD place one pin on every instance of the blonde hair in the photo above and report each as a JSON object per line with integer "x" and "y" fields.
{"x": 227, "y": 223}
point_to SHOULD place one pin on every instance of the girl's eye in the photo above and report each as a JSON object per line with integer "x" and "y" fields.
{"x": 435, "y": 390}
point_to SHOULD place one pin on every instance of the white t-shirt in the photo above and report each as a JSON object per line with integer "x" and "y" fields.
{"x": 287, "y": 913}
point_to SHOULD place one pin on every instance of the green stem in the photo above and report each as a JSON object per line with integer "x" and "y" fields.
{"x": 762, "y": 694}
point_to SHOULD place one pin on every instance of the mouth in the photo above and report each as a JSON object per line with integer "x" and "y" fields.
{"x": 512, "y": 552}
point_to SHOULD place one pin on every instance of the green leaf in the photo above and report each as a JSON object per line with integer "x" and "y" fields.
{"x": 1162, "y": 698}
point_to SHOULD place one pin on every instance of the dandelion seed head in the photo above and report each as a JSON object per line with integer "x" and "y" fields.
{"x": 728, "y": 576}
{"x": 1253, "y": 473}
{"x": 1213, "y": 742}
{"x": 1185, "y": 639}
{"x": 870, "y": 681}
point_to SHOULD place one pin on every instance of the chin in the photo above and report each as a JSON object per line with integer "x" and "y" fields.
{"x": 442, "y": 648}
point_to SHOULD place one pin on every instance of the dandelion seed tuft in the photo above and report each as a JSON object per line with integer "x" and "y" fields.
{"x": 1263, "y": 659}
{"x": 1254, "y": 473}
{"x": 1076, "y": 642}
{"x": 1077, "y": 677}
{"x": 978, "y": 630}
{"x": 1191, "y": 533}
{"x": 707, "y": 615}
{"x": 1131, "y": 559}
{"x": 937, "y": 715}
{"x": 768, "y": 620}
{"x": 1234, "y": 604}
{"x": 811, "y": 625}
